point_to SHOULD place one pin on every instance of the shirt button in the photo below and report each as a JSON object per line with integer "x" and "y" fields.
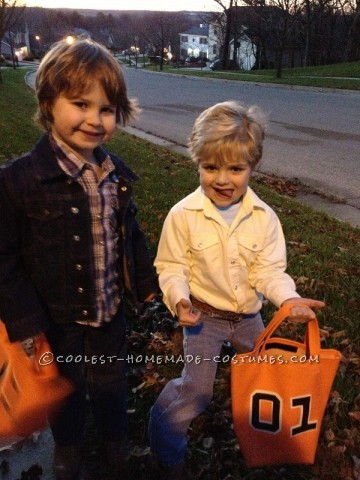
{"x": 200, "y": 245}
{"x": 85, "y": 313}
{"x": 46, "y": 212}
{"x": 102, "y": 242}
{"x": 74, "y": 210}
{"x": 123, "y": 189}
{"x": 80, "y": 290}
{"x": 78, "y": 266}
{"x": 255, "y": 245}
{"x": 76, "y": 238}
{"x": 232, "y": 262}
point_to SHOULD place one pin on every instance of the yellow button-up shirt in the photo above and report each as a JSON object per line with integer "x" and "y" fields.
{"x": 228, "y": 267}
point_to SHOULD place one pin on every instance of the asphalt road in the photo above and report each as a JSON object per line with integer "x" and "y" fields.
{"x": 313, "y": 136}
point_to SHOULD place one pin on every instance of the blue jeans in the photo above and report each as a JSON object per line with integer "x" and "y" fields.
{"x": 184, "y": 398}
{"x": 89, "y": 357}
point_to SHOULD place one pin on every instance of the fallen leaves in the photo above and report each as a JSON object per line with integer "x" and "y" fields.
{"x": 281, "y": 185}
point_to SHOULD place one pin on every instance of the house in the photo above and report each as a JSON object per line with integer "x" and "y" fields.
{"x": 196, "y": 42}
{"x": 205, "y": 42}
{"x": 24, "y": 45}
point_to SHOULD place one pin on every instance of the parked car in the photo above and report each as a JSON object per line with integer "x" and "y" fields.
{"x": 195, "y": 62}
{"x": 217, "y": 65}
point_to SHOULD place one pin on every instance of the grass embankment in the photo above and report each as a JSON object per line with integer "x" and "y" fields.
{"x": 340, "y": 76}
{"x": 324, "y": 260}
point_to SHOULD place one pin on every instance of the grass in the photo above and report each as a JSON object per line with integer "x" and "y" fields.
{"x": 323, "y": 258}
{"x": 16, "y": 110}
{"x": 319, "y": 77}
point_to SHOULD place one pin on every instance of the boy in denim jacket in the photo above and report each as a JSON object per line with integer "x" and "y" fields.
{"x": 221, "y": 250}
{"x": 71, "y": 250}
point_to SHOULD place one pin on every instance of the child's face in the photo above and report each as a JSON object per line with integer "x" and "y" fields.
{"x": 226, "y": 183}
{"x": 84, "y": 122}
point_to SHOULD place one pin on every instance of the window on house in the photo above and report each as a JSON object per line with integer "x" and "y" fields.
{"x": 184, "y": 38}
{"x": 203, "y": 41}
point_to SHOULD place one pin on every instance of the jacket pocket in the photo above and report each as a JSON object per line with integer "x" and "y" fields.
{"x": 47, "y": 222}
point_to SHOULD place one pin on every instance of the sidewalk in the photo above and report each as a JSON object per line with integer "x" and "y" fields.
{"x": 337, "y": 209}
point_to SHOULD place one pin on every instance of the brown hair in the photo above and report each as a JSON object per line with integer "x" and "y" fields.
{"x": 70, "y": 69}
{"x": 229, "y": 131}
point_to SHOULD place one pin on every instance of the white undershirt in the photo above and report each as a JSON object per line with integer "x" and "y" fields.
{"x": 229, "y": 213}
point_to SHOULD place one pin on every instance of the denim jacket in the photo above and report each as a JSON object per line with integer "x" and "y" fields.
{"x": 44, "y": 274}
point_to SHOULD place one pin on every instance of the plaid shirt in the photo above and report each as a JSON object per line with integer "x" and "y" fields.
{"x": 103, "y": 202}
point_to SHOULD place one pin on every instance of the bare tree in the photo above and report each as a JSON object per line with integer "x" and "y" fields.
{"x": 351, "y": 14}
{"x": 10, "y": 13}
{"x": 280, "y": 20}
{"x": 228, "y": 10}
{"x": 160, "y": 31}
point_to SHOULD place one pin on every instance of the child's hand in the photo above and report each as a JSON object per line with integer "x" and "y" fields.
{"x": 188, "y": 317}
{"x": 302, "y": 310}
{"x": 28, "y": 346}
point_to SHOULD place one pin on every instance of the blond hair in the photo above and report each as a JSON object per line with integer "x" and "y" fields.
{"x": 229, "y": 131}
{"x": 71, "y": 69}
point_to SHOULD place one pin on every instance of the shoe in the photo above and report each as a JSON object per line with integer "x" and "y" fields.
{"x": 67, "y": 462}
{"x": 116, "y": 458}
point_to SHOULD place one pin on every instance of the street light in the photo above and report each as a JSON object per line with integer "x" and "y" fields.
{"x": 70, "y": 39}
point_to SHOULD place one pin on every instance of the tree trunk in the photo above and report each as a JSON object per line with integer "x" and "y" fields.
{"x": 225, "y": 53}
{"x": 279, "y": 59}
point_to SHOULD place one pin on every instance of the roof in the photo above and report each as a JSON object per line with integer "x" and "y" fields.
{"x": 199, "y": 31}
{"x": 5, "y": 48}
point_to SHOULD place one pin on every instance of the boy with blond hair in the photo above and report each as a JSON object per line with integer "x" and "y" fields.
{"x": 221, "y": 251}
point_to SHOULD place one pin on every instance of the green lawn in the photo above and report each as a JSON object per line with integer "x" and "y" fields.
{"x": 341, "y": 76}
{"x": 324, "y": 259}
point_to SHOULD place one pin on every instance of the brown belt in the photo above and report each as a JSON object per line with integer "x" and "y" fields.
{"x": 223, "y": 314}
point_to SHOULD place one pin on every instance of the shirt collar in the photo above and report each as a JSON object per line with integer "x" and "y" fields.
{"x": 73, "y": 165}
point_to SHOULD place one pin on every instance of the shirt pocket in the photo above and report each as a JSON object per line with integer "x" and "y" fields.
{"x": 205, "y": 249}
{"x": 249, "y": 247}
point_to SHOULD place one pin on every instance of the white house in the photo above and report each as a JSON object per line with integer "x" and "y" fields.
{"x": 195, "y": 42}
{"x": 204, "y": 42}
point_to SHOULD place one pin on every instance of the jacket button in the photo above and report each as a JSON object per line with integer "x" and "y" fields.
{"x": 80, "y": 290}
{"x": 74, "y": 210}
{"x": 123, "y": 189}
{"x": 76, "y": 238}
{"x": 78, "y": 266}
{"x": 85, "y": 313}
